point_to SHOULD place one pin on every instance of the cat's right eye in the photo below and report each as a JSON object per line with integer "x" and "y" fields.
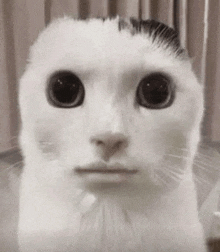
{"x": 155, "y": 91}
{"x": 65, "y": 90}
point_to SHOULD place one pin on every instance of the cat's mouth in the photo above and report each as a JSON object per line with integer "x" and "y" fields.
{"x": 101, "y": 172}
{"x": 104, "y": 169}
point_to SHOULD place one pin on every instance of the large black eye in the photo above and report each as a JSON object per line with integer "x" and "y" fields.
{"x": 155, "y": 91}
{"x": 65, "y": 90}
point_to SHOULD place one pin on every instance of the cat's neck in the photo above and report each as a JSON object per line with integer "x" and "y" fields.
{"x": 95, "y": 222}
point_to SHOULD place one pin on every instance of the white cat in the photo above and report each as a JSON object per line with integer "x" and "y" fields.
{"x": 111, "y": 115}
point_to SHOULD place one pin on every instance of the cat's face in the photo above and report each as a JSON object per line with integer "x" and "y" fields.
{"x": 107, "y": 106}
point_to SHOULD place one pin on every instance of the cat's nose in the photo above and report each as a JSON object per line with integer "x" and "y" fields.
{"x": 109, "y": 144}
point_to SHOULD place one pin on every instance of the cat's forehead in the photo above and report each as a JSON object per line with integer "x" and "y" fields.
{"x": 86, "y": 40}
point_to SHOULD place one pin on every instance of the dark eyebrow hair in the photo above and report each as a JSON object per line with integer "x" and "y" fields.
{"x": 160, "y": 33}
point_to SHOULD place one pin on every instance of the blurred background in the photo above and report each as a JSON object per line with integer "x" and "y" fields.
{"x": 197, "y": 23}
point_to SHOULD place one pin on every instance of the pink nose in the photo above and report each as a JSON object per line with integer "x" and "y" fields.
{"x": 108, "y": 144}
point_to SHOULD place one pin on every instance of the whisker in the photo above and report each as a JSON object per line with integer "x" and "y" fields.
{"x": 167, "y": 175}
{"x": 213, "y": 164}
{"x": 201, "y": 180}
{"x": 180, "y": 148}
{"x": 199, "y": 153}
{"x": 170, "y": 168}
{"x": 176, "y": 156}
{"x": 180, "y": 157}
{"x": 173, "y": 174}
{"x": 207, "y": 161}
{"x": 15, "y": 164}
{"x": 206, "y": 167}
{"x": 204, "y": 162}
{"x": 161, "y": 179}
{"x": 12, "y": 168}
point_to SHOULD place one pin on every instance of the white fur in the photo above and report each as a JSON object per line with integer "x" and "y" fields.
{"x": 158, "y": 211}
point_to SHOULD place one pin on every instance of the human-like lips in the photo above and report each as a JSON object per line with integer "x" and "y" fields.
{"x": 102, "y": 172}
{"x": 102, "y": 168}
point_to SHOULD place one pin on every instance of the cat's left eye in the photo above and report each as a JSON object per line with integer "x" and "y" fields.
{"x": 65, "y": 90}
{"x": 155, "y": 91}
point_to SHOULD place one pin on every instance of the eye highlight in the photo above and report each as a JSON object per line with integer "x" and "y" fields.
{"x": 65, "y": 90}
{"x": 155, "y": 91}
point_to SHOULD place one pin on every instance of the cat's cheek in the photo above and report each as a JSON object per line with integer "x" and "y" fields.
{"x": 162, "y": 153}
{"x": 48, "y": 143}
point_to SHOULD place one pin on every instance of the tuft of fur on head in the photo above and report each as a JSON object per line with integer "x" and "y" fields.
{"x": 160, "y": 34}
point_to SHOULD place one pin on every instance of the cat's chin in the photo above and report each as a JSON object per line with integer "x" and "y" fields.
{"x": 127, "y": 194}
{"x": 107, "y": 183}
{"x": 123, "y": 185}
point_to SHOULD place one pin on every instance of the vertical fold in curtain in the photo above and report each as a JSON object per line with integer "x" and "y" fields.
{"x": 145, "y": 9}
{"x": 180, "y": 20}
{"x": 4, "y": 94}
{"x": 8, "y": 94}
{"x": 98, "y": 8}
{"x": 64, "y": 8}
{"x": 162, "y": 10}
{"x": 128, "y": 8}
{"x": 212, "y": 73}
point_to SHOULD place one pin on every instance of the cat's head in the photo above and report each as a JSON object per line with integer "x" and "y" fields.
{"x": 110, "y": 102}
